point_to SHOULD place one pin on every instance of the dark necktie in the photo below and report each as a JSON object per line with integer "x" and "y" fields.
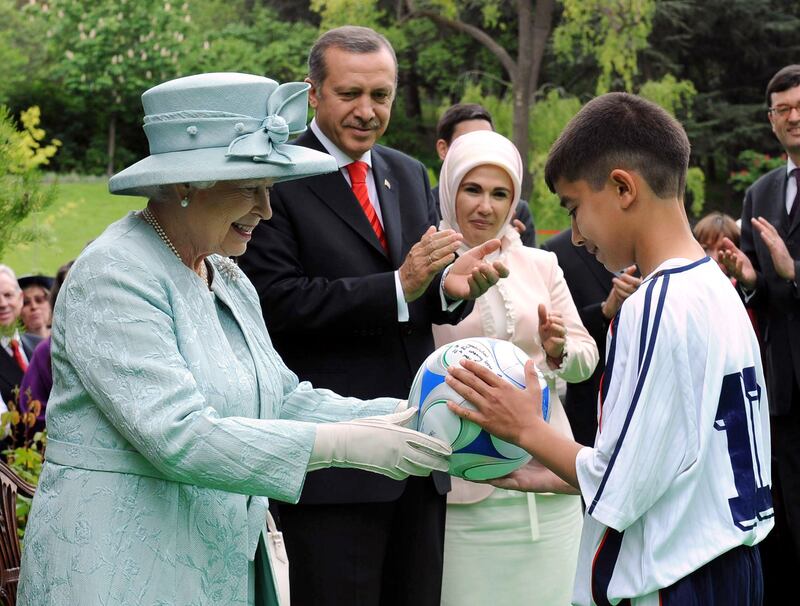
{"x": 18, "y": 355}
{"x": 793, "y": 210}
{"x": 358, "y": 179}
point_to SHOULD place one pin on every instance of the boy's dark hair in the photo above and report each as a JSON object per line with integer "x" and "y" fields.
{"x": 714, "y": 225}
{"x": 460, "y": 112}
{"x": 786, "y": 78}
{"x": 619, "y": 130}
{"x": 350, "y": 38}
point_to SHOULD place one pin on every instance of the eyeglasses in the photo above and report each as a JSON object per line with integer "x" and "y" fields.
{"x": 783, "y": 111}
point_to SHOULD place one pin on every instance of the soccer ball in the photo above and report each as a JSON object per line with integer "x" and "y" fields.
{"x": 477, "y": 455}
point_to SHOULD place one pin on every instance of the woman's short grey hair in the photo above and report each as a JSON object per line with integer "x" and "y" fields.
{"x": 164, "y": 193}
{"x": 5, "y": 269}
{"x": 349, "y": 38}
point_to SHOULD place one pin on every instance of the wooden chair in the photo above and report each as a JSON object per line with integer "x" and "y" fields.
{"x": 10, "y": 485}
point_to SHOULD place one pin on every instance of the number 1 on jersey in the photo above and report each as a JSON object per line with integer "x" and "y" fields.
{"x": 740, "y": 395}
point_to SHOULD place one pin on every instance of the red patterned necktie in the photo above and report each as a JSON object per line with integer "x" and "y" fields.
{"x": 18, "y": 355}
{"x": 358, "y": 179}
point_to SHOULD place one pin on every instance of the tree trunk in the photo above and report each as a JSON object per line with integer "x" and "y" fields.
{"x": 411, "y": 98}
{"x": 521, "y": 92}
{"x": 112, "y": 143}
{"x": 532, "y": 37}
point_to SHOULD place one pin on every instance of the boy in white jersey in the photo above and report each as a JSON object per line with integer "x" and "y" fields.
{"x": 677, "y": 483}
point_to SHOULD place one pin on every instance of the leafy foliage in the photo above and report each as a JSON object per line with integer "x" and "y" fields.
{"x": 548, "y": 117}
{"x": 613, "y": 32}
{"x": 726, "y": 49}
{"x": 343, "y": 12}
{"x": 122, "y": 47}
{"x": 676, "y": 97}
{"x": 21, "y": 191}
{"x": 754, "y": 165}
{"x": 262, "y": 45}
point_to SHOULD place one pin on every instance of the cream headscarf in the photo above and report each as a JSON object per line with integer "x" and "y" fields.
{"x": 467, "y": 152}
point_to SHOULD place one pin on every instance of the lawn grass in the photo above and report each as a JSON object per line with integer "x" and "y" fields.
{"x": 80, "y": 213}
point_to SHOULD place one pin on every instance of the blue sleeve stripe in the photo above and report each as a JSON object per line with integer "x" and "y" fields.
{"x": 646, "y": 315}
{"x": 608, "y": 371}
{"x": 639, "y": 386}
{"x": 603, "y": 565}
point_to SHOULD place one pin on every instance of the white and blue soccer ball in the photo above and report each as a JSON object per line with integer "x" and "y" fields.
{"x": 477, "y": 455}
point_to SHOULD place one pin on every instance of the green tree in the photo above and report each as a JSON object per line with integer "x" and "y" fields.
{"x": 106, "y": 52}
{"x": 261, "y": 44}
{"x": 533, "y": 22}
{"x": 22, "y": 152}
{"x": 21, "y": 48}
{"x": 613, "y": 32}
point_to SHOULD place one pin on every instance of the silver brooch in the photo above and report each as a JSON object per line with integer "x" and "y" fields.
{"x": 229, "y": 269}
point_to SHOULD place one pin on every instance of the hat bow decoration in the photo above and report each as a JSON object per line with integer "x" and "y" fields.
{"x": 287, "y": 110}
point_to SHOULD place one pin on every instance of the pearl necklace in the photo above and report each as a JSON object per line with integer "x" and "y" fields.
{"x": 148, "y": 216}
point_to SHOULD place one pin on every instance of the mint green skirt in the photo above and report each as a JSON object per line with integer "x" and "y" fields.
{"x": 492, "y": 558}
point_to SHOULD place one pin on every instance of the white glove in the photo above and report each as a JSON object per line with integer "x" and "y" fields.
{"x": 379, "y": 444}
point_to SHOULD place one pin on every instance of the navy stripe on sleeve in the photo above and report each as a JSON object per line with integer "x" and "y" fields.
{"x": 603, "y": 564}
{"x": 646, "y": 315}
{"x": 639, "y": 385}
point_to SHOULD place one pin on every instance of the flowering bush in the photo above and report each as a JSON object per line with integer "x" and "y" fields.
{"x": 754, "y": 165}
{"x": 26, "y": 452}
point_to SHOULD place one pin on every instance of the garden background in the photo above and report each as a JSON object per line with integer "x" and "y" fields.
{"x": 85, "y": 63}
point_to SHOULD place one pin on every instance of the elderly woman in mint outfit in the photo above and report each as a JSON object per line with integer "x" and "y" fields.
{"x": 172, "y": 419}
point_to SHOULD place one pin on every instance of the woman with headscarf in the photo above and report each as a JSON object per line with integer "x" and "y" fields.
{"x": 505, "y": 547}
{"x": 172, "y": 418}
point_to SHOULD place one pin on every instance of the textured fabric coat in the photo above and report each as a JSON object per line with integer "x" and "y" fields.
{"x": 163, "y": 439}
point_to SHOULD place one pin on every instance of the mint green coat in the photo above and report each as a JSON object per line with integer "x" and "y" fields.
{"x": 160, "y": 458}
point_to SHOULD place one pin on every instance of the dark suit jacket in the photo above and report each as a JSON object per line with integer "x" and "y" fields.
{"x": 10, "y": 372}
{"x": 589, "y": 284}
{"x": 328, "y": 294}
{"x": 523, "y": 213}
{"x": 776, "y": 301}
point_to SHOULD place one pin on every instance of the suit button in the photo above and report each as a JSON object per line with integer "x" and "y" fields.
{"x": 409, "y": 330}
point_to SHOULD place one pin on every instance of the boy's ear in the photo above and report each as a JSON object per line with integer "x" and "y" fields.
{"x": 625, "y": 186}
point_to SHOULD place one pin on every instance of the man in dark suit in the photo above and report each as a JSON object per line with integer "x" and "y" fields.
{"x": 598, "y": 295}
{"x": 349, "y": 272}
{"x": 463, "y": 118}
{"x": 768, "y": 272}
{"x": 15, "y": 348}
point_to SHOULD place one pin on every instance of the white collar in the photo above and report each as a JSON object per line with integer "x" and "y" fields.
{"x": 790, "y": 166}
{"x": 6, "y": 340}
{"x": 342, "y": 159}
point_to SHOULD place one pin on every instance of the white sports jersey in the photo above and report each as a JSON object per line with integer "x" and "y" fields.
{"x": 680, "y": 470}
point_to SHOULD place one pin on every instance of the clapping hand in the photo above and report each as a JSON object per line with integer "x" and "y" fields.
{"x": 435, "y": 251}
{"x": 552, "y": 334}
{"x": 781, "y": 259}
{"x": 471, "y": 276}
{"x": 736, "y": 263}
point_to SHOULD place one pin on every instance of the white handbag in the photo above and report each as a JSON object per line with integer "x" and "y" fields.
{"x": 278, "y": 561}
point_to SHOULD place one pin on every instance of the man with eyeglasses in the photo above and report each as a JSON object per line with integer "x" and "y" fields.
{"x": 768, "y": 271}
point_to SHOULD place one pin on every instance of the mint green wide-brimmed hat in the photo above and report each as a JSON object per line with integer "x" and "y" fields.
{"x": 222, "y": 127}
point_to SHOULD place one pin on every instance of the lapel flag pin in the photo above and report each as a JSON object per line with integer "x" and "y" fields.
{"x": 387, "y": 184}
